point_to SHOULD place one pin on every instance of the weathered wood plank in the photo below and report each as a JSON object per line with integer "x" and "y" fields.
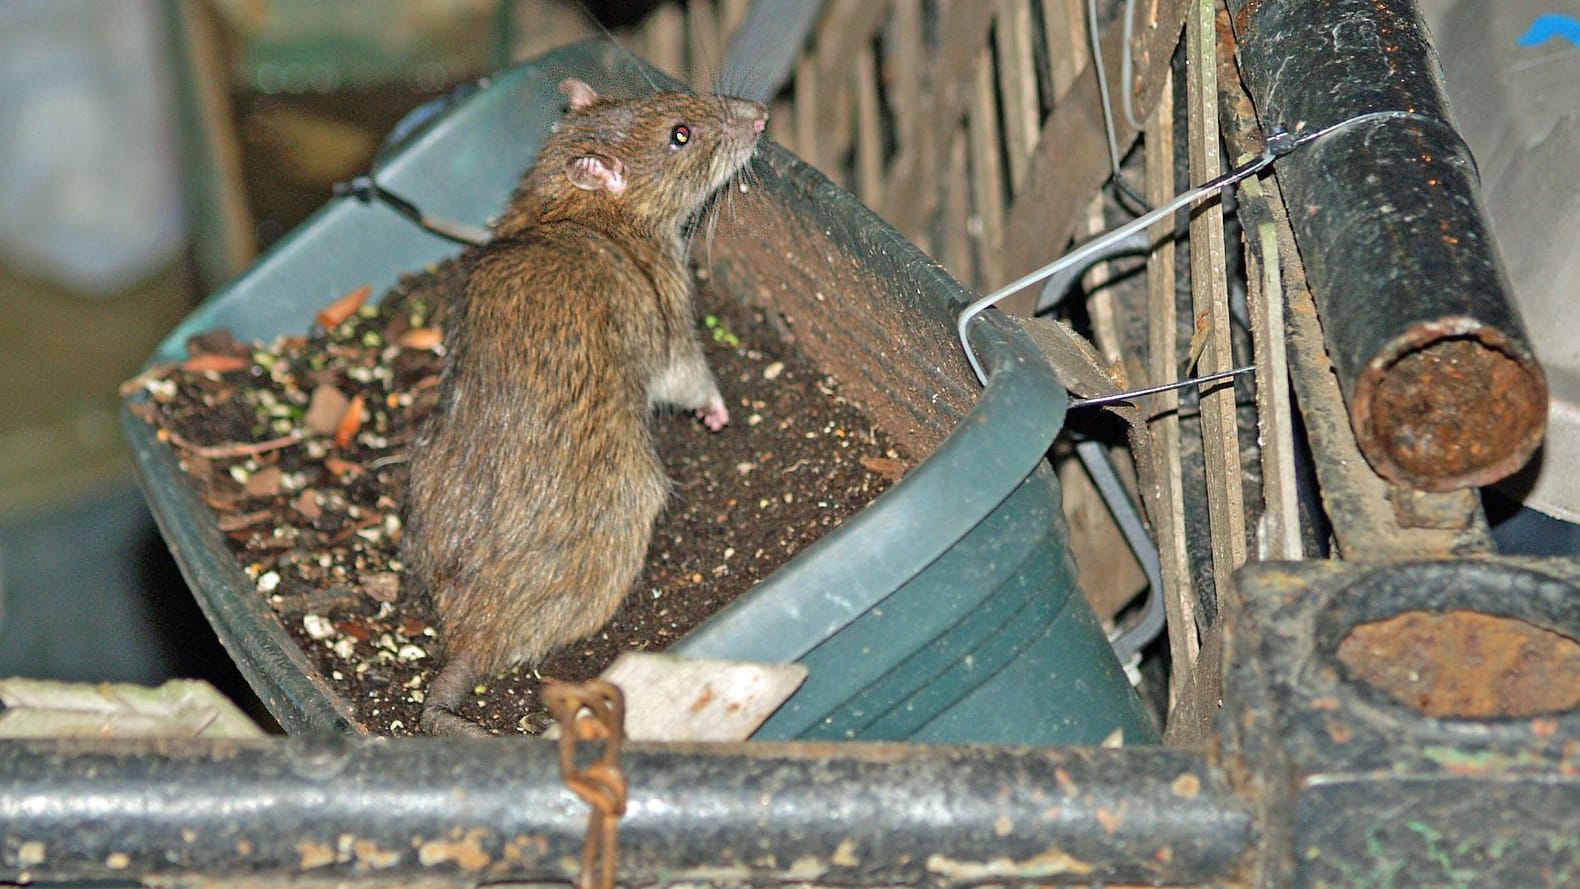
{"x": 1278, "y": 533}
{"x": 1017, "y": 84}
{"x": 956, "y": 247}
{"x": 951, "y": 76}
{"x": 1071, "y": 160}
{"x": 663, "y": 40}
{"x": 1210, "y": 297}
{"x": 1166, "y": 499}
{"x": 869, "y": 128}
{"x": 987, "y": 174}
{"x": 706, "y": 53}
{"x": 808, "y": 96}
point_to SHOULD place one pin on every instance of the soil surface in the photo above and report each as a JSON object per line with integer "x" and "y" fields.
{"x": 299, "y": 447}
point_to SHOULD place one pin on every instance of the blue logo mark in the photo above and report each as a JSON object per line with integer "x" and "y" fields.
{"x": 1551, "y": 25}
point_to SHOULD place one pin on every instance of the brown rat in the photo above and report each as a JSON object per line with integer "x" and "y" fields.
{"x": 535, "y": 484}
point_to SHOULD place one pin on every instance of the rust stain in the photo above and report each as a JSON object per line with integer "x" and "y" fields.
{"x": 466, "y": 850}
{"x": 703, "y": 700}
{"x": 1340, "y": 732}
{"x": 1110, "y": 819}
{"x": 311, "y": 855}
{"x": 32, "y": 853}
{"x": 845, "y": 854}
{"x": 526, "y": 849}
{"x": 1062, "y": 777}
{"x": 1462, "y": 408}
{"x": 1186, "y": 786}
{"x": 369, "y": 855}
{"x": 806, "y": 869}
{"x": 1053, "y": 862}
{"x": 1242, "y": 21}
{"x": 1466, "y": 665}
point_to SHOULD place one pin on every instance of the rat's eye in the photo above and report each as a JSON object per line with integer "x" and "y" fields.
{"x": 679, "y": 136}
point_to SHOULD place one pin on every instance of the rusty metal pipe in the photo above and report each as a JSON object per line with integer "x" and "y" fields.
{"x": 1442, "y": 388}
{"x": 458, "y": 812}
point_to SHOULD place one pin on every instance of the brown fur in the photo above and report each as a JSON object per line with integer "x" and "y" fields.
{"x": 534, "y": 486}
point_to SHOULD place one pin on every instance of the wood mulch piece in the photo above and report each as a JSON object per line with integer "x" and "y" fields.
{"x": 299, "y": 447}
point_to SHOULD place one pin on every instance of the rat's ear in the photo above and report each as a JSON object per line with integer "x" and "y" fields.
{"x": 596, "y": 172}
{"x": 580, "y": 94}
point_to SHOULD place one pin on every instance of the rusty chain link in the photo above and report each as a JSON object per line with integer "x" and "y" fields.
{"x": 593, "y": 711}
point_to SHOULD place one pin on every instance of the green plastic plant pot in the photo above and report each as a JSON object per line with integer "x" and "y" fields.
{"x": 945, "y": 611}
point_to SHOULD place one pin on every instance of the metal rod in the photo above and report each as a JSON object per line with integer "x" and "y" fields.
{"x": 456, "y": 812}
{"x": 1442, "y": 388}
{"x": 1127, "y": 516}
{"x": 1133, "y": 394}
{"x": 366, "y": 189}
{"x": 1081, "y": 255}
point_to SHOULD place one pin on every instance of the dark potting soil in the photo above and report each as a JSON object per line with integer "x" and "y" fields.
{"x": 299, "y": 447}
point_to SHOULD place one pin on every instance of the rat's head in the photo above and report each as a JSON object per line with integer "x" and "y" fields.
{"x": 655, "y": 159}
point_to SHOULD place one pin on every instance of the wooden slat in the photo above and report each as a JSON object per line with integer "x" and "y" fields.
{"x": 1210, "y": 295}
{"x": 232, "y": 243}
{"x": 1279, "y": 530}
{"x": 808, "y": 96}
{"x": 906, "y": 65}
{"x": 987, "y": 175}
{"x": 731, "y": 14}
{"x": 1360, "y": 505}
{"x": 956, "y": 247}
{"x": 706, "y": 54}
{"x": 869, "y": 129}
{"x": 951, "y": 75}
{"x": 1100, "y": 297}
{"x": 1166, "y": 500}
{"x": 782, "y": 124}
{"x": 663, "y": 40}
{"x": 1017, "y": 84}
{"x": 909, "y": 210}
{"x": 1064, "y": 29}
{"x": 1071, "y": 160}
{"x": 846, "y": 28}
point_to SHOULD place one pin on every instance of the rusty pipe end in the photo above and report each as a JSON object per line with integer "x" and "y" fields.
{"x": 1450, "y": 404}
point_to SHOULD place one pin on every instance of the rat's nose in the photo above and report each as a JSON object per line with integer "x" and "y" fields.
{"x": 743, "y": 110}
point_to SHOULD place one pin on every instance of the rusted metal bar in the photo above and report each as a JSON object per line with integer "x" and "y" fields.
{"x": 1371, "y": 518}
{"x": 1408, "y": 723}
{"x": 449, "y": 812}
{"x": 1441, "y": 384}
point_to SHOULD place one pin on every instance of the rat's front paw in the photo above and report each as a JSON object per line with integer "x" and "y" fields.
{"x": 715, "y": 416}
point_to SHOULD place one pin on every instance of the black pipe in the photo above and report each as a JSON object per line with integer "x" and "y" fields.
{"x": 458, "y": 812}
{"x": 1442, "y": 387}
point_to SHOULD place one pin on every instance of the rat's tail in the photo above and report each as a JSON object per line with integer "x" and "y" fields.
{"x": 441, "y": 708}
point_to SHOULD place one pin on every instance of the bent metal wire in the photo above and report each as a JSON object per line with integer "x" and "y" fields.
{"x": 1280, "y": 142}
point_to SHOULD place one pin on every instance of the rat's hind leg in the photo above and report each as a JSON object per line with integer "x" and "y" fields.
{"x": 688, "y": 383}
